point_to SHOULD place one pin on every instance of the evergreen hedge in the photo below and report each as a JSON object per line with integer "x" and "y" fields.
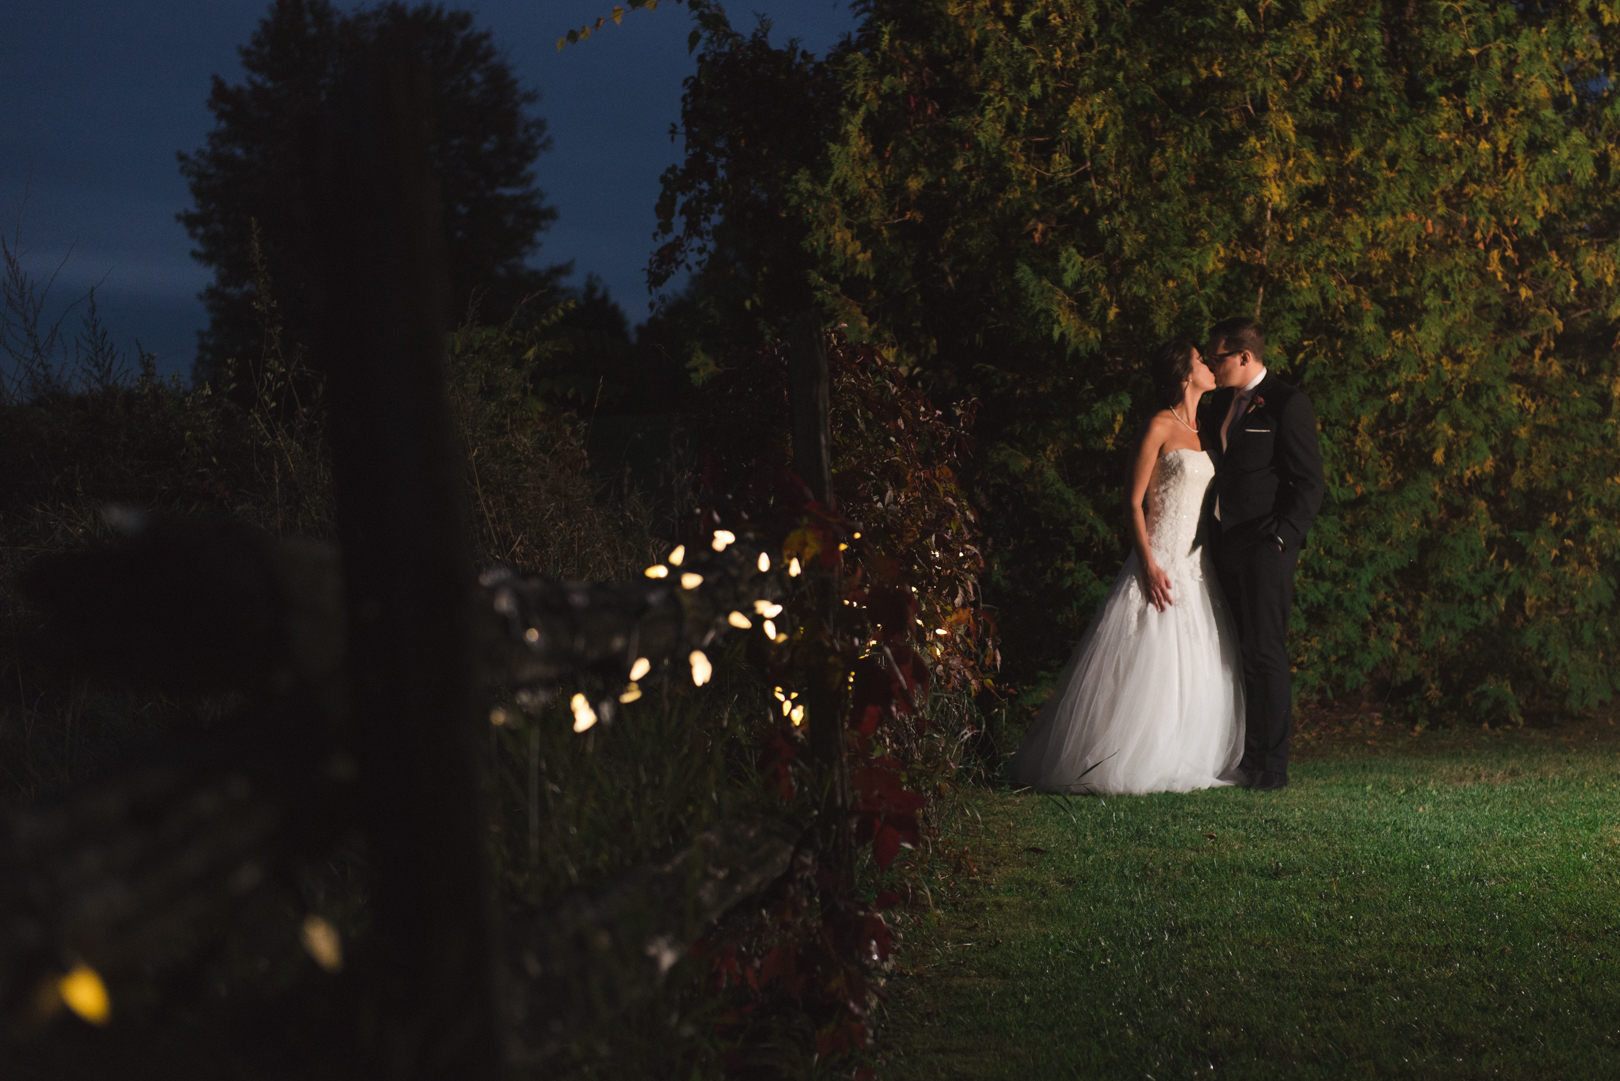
{"x": 1419, "y": 201}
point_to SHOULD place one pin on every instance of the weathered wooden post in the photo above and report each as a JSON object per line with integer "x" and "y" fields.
{"x": 430, "y": 1003}
{"x": 810, "y": 390}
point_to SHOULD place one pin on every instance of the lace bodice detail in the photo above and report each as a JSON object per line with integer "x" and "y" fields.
{"x": 1175, "y": 504}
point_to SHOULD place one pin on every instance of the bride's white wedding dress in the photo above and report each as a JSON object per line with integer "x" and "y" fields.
{"x": 1150, "y": 701}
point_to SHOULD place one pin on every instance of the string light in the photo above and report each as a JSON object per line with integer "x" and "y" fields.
{"x": 631, "y": 693}
{"x": 767, "y": 609}
{"x": 640, "y": 668}
{"x": 701, "y": 668}
{"x": 322, "y": 942}
{"x": 793, "y": 567}
{"x": 498, "y": 716}
{"x": 723, "y": 537}
{"x": 842, "y": 547}
{"x": 738, "y": 620}
{"x": 764, "y": 562}
{"x": 85, "y": 994}
{"x": 677, "y": 555}
{"x": 690, "y": 580}
{"x": 857, "y": 536}
{"x": 798, "y": 716}
{"x": 657, "y": 570}
{"x": 532, "y": 635}
{"x": 584, "y": 715}
{"x": 780, "y": 697}
{"x": 770, "y": 630}
{"x": 941, "y": 630}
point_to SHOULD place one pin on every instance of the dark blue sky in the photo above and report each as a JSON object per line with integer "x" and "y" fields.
{"x": 96, "y": 96}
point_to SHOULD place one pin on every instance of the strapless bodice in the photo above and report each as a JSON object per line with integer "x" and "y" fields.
{"x": 1175, "y": 504}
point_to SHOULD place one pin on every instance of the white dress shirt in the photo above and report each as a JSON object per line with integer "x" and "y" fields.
{"x": 1240, "y": 402}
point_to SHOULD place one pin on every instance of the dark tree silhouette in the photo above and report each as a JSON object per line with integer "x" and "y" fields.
{"x": 251, "y": 176}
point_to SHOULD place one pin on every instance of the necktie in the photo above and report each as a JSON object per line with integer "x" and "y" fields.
{"x": 1239, "y": 401}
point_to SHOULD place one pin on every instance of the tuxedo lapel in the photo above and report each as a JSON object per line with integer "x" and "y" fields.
{"x": 1236, "y": 431}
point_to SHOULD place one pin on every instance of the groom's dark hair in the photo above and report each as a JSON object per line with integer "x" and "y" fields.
{"x": 1237, "y": 334}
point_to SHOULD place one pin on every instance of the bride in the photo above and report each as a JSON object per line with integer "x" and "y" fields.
{"x": 1152, "y": 697}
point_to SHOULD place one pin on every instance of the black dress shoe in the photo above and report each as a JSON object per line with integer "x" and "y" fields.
{"x": 1270, "y": 781}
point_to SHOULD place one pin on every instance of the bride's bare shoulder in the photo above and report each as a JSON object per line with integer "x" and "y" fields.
{"x": 1156, "y": 427}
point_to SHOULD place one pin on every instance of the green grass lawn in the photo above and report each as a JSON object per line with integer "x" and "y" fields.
{"x": 1434, "y": 908}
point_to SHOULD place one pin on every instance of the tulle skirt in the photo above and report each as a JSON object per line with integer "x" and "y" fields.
{"x": 1149, "y": 701}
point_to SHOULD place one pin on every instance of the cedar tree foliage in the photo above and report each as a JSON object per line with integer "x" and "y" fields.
{"x": 251, "y": 172}
{"x": 1416, "y": 199}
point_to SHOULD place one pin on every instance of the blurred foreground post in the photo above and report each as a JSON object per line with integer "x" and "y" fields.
{"x": 430, "y": 1005}
{"x": 811, "y": 394}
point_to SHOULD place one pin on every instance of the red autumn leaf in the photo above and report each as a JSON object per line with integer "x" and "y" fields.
{"x": 879, "y": 940}
{"x": 867, "y": 718}
{"x": 892, "y": 610}
{"x": 883, "y": 567}
{"x": 871, "y": 695}
{"x": 769, "y": 968}
{"x": 886, "y": 845}
{"x": 910, "y": 675}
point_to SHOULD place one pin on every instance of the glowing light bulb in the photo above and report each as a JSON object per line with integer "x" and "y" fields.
{"x": 723, "y": 537}
{"x": 738, "y": 620}
{"x": 532, "y": 635}
{"x": 657, "y": 570}
{"x": 584, "y": 715}
{"x": 498, "y": 716}
{"x": 780, "y": 697}
{"x": 764, "y": 562}
{"x": 640, "y": 668}
{"x": 701, "y": 668}
{"x": 631, "y": 693}
{"x": 677, "y": 555}
{"x": 793, "y": 567}
{"x": 767, "y": 609}
{"x": 842, "y": 547}
{"x": 85, "y": 994}
{"x": 690, "y": 580}
{"x": 322, "y": 942}
{"x": 770, "y": 630}
{"x": 857, "y": 536}
{"x": 798, "y": 716}
{"x": 780, "y": 639}
{"x": 941, "y": 630}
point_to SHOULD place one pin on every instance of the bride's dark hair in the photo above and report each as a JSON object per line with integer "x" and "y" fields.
{"x": 1172, "y": 364}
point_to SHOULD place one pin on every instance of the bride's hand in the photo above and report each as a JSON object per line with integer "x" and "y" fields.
{"x": 1158, "y": 587}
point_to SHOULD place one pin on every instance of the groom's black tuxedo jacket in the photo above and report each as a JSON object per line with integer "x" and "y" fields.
{"x": 1269, "y": 477}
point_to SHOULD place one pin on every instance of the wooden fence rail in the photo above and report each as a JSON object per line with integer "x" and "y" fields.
{"x": 362, "y": 672}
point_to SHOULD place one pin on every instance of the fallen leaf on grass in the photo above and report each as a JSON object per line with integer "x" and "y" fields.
{"x": 1037, "y": 849}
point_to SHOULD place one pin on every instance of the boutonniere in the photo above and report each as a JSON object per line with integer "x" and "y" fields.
{"x": 1258, "y": 403}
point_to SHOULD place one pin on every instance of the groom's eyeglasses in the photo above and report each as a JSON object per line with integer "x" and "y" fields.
{"x": 1223, "y": 356}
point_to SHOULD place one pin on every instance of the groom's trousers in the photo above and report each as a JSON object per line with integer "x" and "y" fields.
{"x": 1258, "y": 582}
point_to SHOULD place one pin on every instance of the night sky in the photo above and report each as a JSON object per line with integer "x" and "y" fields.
{"x": 96, "y": 97}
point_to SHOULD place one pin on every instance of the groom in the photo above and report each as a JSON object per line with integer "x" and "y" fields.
{"x": 1268, "y": 487}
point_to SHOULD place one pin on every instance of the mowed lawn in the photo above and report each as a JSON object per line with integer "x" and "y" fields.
{"x": 1425, "y": 907}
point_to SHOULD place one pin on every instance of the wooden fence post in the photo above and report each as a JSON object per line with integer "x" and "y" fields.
{"x": 429, "y": 1003}
{"x": 810, "y": 391}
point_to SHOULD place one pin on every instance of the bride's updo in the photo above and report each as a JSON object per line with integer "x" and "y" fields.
{"x": 1171, "y": 367}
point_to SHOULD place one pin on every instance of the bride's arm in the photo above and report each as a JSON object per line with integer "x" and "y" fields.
{"x": 1155, "y": 581}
